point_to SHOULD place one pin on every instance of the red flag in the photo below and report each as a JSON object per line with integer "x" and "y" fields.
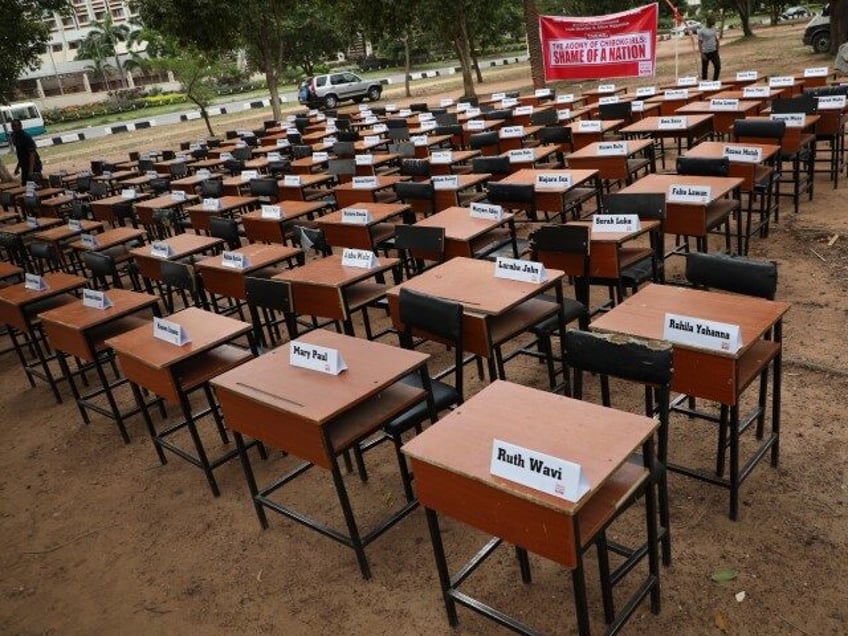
{"x": 616, "y": 45}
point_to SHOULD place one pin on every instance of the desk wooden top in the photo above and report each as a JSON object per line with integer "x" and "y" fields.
{"x": 7, "y": 270}
{"x": 116, "y": 199}
{"x": 745, "y": 106}
{"x": 167, "y": 201}
{"x": 740, "y": 94}
{"x": 64, "y": 232}
{"x": 472, "y": 283}
{"x": 117, "y": 175}
{"x": 319, "y": 397}
{"x": 529, "y": 131}
{"x": 65, "y": 197}
{"x": 660, "y": 183}
{"x": 379, "y": 213}
{"x": 181, "y": 245}
{"x": 358, "y": 146}
{"x": 383, "y": 182}
{"x": 598, "y": 438}
{"x": 191, "y": 180}
{"x": 307, "y": 163}
{"x": 457, "y": 156}
{"x": 460, "y": 225}
{"x": 228, "y": 204}
{"x": 206, "y": 330}
{"x": 23, "y": 227}
{"x": 309, "y": 180}
{"x": 329, "y": 272}
{"x": 464, "y": 181}
{"x": 110, "y": 238}
{"x": 57, "y": 283}
{"x": 42, "y": 193}
{"x": 290, "y": 210}
{"x": 645, "y": 226}
{"x": 643, "y": 314}
{"x": 715, "y": 150}
{"x": 527, "y": 176}
{"x": 539, "y": 153}
{"x": 78, "y": 317}
{"x": 809, "y": 122}
{"x": 259, "y": 255}
{"x": 651, "y": 125}
{"x": 606, "y": 126}
{"x": 590, "y": 151}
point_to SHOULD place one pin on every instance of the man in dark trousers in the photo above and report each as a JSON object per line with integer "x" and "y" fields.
{"x": 29, "y": 163}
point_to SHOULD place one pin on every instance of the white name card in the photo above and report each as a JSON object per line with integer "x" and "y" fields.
{"x": 542, "y": 92}
{"x": 128, "y": 193}
{"x": 831, "y": 102}
{"x": 151, "y": 174}
{"x": 475, "y": 124}
{"x": 488, "y": 211}
{"x": 283, "y": 143}
{"x": 375, "y": 139}
{"x": 708, "y": 334}
{"x": 363, "y": 259}
{"x": 756, "y": 91}
{"x": 203, "y": 173}
{"x": 316, "y": 358}
{"x": 236, "y": 260}
{"x": 523, "y": 110}
{"x": 743, "y": 154}
{"x": 329, "y": 141}
{"x": 321, "y": 156}
{"x": 405, "y": 112}
{"x": 552, "y": 180}
{"x": 291, "y": 180}
{"x": 461, "y": 107}
{"x": 160, "y": 249}
{"x": 609, "y": 99}
{"x": 178, "y": 195}
{"x": 512, "y": 131}
{"x": 425, "y": 116}
{"x": 673, "y": 123}
{"x": 498, "y": 96}
{"x": 31, "y": 221}
{"x": 781, "y": 81}
{"x": 447, "y": 101}
{"x": 274, "y": 212}
{"x": 522, "y": 155}
{"x": 274, "y": 156}
{"x": 364, "y": 108}
{"x": 637, "y": 106}
{"x": 521, "y": 270}
{"x": 793, "y": 120}
{"x": 646, "y": 91}
{"x": 371, "y": 119}
{"x": 247, "y": 175}
{"x": 89, "y": 241}
{"x": 568, "y": 98}
{"x": 391, "y": 107}
{"x": 509, "y": 102}
{"x": 291, "y": 118}
{"x": 170, "y": 332}
{"x": 441, "y": 157}
{"x": 364, "y": 159}
{"x": 364, "y": 183}
{"x": 590, "y": 125}
{"x": 616, "y": 223}
{"x": 816, "y": 71}
{"x": 709, "y": 86}
{"x": 606, "y": 88}
{"x": 541, "y": 472}
{"x": 676, "y": 93}
{"x": 379, "y": 128}
{"x": 681, "y": 193}
{"x": 224, "y": 156}
{"x": 75, "y": 225}
{"x": 747, "y": 76}
{"x": 612, "y": 148}
{"x": 356, "y": 216}
{"x": 724, "y": 104}
{"x": 211, "y": 204}
{"x": 34, "y": 282}
{"x": 95, "y": 299}
{"x": 445, "y": 181}
{"x": 689, "y": 80}
{"x": 473, "y": 112}
{"x": 419, "y": 140}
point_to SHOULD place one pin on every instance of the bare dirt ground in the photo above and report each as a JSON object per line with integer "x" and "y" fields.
{"x": 98, "y": 538}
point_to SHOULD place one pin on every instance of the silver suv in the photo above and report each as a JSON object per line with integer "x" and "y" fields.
{"x": 328, "y": 90}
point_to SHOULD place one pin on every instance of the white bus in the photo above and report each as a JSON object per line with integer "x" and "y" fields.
{"x": 30, "y": 117}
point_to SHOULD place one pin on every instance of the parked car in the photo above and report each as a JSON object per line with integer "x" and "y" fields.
{"x": 330, "y": 89}
{"x": 817, "y": 32}
{"x": 689, "y": 27}
{"x": 795, "y": 13}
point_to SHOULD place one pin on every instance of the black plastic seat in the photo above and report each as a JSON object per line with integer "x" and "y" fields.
{"x": 226, "y": 229}
{"x": 267, "y": 297}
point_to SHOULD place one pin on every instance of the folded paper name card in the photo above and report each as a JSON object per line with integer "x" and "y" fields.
{"x": 310, "y": 356}
{"x": 743, "y": 154}
{"x": 615, "y": 223}
{"x": 568, "y": 98}
{"x": 831, "y": 102}
{"x": 151, "y": 174}
{"x": 356, "y": 216}
{"x": 476, "y": 124}
{"x": 522, "y": 110}
{"x": 553, "y": 180}
{"x": 673, "y": 123}
{"x": 283, "y": 143}
{"x": 235, "y": 260}
{"x": 31, "y": 221}
{"x": 709, "y": 86}
{"x": 321, "y": 156}
{"x": 447, "y": 101}
{"x": 608, "y": 148}
{"x": 609, "y": 99}
{"x": 473, "y": 112}
{"x": 274, "y": 212}
{"x": 75, "y": 224}
{"x": 291, "y": 180}
{"x": 564, "y": 114}
{"x": 757, "y": 92}
{"x": 689, "y": 80}
{"x": 682, "y": 193}
{"x": 747, "y": 76}
{"x": 364, "y": 259}
{"x": 95, "y": 299}
{"x": 816, "y": 71}
{"x": 364, "y": 159}
{"x": 646, "y": 91}
{"x": 425, "y": 116}
{"x": 542, "y": 92}
{"x": 441, "y": 156}
{"x": 676, "y": 93}
{"x": 508, "y": 132}
{"x": 488, "y": 211}
{"x": 170, "y": 331}
{"x": 211, "y": 204}
{"x": 519, "y": 269}
{"x": 364, "y": 183}
{"x": 89, "y": 241}
{"x": 247, "y": 175}
{"x": 128, "y": 193}
{"x": 522, "y": 155}
{"x": 637, "y": 106}
{"x": 161, "y": 249}
{"x": 707, "y": 334}
{"x": 509, "y": 102}
{"x": 34, "y": 282}
{"x": 724, "y": 104}
{"x": 781, "y": 81}
{"x": 793, "y": 120}
{"x": 203, "y": 173}
{"x": 178, "y": 195}
{"x": 545, "y": 473}
{"x": 606, "y": 88}
{"x": 445, "y": 181}
{"x": 590, "y": 125}
{"x": 498, "y": 96}
{"x": 274, "y": 156}
{"x": 376, "y": 139}
{"x": 419, "y": 140}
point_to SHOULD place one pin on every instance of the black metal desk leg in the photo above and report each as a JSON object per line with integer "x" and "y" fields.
{"x": 441, "y": 565}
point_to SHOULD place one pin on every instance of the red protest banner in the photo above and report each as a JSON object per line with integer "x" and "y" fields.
{"x": 616, "y": 45}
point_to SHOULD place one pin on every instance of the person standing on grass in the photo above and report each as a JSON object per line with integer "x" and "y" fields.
{"x": 708, "y": 47}
{"x": 29, "y": 163}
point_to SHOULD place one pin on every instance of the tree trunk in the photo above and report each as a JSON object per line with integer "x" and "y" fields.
{"x": 463, "y": 49}
{"x": 205, "y": 116}
{"x": 721, "y": 24}
{"x": 743, "y": 7}
{"x": 407, "y": 65}
{"x": 474, "y": 61}
{"x": 838, "y": 24}
{"x": 534, "y": 43}
{"x": 120, "y": 69}
{"x": 274, "y": 90}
